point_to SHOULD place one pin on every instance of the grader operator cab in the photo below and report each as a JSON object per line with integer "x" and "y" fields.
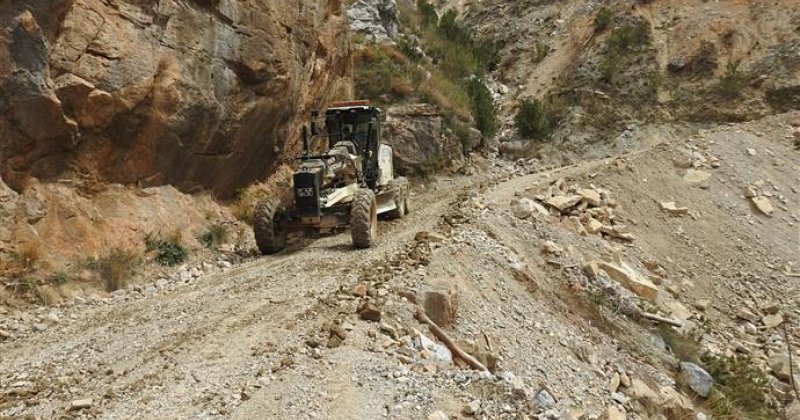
{"x": 346, "y": 177}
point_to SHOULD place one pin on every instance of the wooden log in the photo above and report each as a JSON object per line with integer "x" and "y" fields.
{"x": 441, "y": 335}
{"x": 661, "y": 319}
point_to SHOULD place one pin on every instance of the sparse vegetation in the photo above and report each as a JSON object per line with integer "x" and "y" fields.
{"x": 214, "y": 236}
{"x": 739, "y": 389}
{"x": 447, "y": 78}
{"x": 603, "y": 19}
{"x": 629, "y": 37}
{"x": 620, "y": 46}
{"x": 170, "y": 251}
{"x": 732, "y": 82}
{"x": 533, "y": 119}
{"x": 540, "y": 51}
{"x": 116, "y": 267}
{"x": 61, "y": 278}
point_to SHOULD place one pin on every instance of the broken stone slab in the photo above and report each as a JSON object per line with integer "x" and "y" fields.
{"x": 81, "y": 404}
{"x": 616, "y": 232}
{"x": 672, "y": 209}
{"x": 763, "y": 205}
{"x": 746, "y": 315}
{"x": 773, "y": 320}
{"x": 627, "y": 277}
{"x": 472, "y": 408}
{"x": 697, "y": 378}
{"x": 441, "y": 305}
{"x": 593, "y": 226}
{"x": 574, "y": 224}
{"x": 750, "y": 191}
{"x": 522, "y": 208}
{"x": 590, "y": 197}
{"x": 696, "y": 176}
{"x": 563, "y": 202}
{"x": 368, "y": 311}
{"x": 440, "y": 352}
{"x": 780, "y": 367}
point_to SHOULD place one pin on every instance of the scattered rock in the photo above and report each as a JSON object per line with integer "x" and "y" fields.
{"x": 590, "y": 197}
{"x": 750, "y": 191}
{"x": 472, "y": 408}
{"x": 770, "y": 308}
{"x": 563, "y": 202}
{"x": 746, "y": 315}
{"x": 612, "y": 413}
{"x": 672, "y": 209}
{"x": 548, "y": 247}
{"x": 441, "y": 306}
{"x": 697, "y": 378}
{"x": 360, "y": 290}
{"x": 627, "y": 277}
{"x": 39, "y": 327}
{"x": 613, "y": 385}
{"x": 593, "y": 226}
{"x": 772, "y": 321}
{"x": 81, "y": 404}
{"x": 694, "y": 176}
{"x": 545, "y": 400}
{"x": 780, "y": 367}
{"x": 4, "y": 335}
{"x": 522, "y": 208}
{"x": 368, "y": 311}
{"x": 438, "y": 415}
{"x": 763, "y": 205}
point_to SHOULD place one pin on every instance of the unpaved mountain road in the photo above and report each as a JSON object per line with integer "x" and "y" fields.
{"x": 201, "y": 348}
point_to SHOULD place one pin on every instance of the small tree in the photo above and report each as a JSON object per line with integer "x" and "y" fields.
{"x": 533, "y": 119}
{"x": 483, "y": 108}
{"x": 732, "y": 83}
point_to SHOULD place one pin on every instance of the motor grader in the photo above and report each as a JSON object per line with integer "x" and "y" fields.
{"x": 345, "y": 178}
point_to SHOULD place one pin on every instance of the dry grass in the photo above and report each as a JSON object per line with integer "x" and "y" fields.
{"x": 116, "y": 268}
{"x": 402, "y": 87}
{"x": 29, "y": 254}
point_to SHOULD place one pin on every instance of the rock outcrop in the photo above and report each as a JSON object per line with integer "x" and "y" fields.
{"x": 376, "y": 19}
{"x": 421, "y": 145}
{"x": 201, "y": 94}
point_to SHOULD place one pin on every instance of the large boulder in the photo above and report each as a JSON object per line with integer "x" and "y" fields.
{"x": 421, "y": 145}
{"x": 199, "y": 94}
{"x": 377, "y": 19}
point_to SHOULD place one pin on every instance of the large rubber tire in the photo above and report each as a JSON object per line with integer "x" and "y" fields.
{"x": 400, "y": 201}
{"x": 364, "y": 219}
{"x": 268, "y": 226}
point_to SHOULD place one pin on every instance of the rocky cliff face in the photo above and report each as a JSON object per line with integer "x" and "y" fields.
{"x": 201, "y": 94}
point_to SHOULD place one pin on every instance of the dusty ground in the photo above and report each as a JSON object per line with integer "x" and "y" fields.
{"x": 243, "y": 342}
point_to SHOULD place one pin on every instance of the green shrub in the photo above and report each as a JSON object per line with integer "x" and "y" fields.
{"x": 61, "y": 278}
{"x": 214, "y": 236}
{"x": 171, "y": 253}
{"x": 483, "y": 108}
{"x": 732, "y": 82}
{"x": 428, "y": 12}
{"x": 603, "y": 19}
{"x": 533, "y": 120}
{"x": 739, "y": 388}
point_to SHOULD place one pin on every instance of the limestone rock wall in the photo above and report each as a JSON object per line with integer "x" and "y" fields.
{"x": 200, "y": 94}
